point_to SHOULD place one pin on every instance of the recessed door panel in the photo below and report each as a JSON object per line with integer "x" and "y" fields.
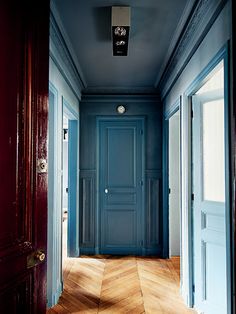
{"x": 121, "y": 228}
{"x": 121, "y": 185}
{"x": 121, "y": 151}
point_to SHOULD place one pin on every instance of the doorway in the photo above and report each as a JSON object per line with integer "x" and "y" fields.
{"x": 65, "y": 205}
{"x": 174, "y": 184}
{"x": 63, "y": 196}
{"x": 121, "y": 185}
{"x": 70, "y": 186}
{"x": 210, "y": 195}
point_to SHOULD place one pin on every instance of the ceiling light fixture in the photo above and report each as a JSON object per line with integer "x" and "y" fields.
{"x": 120, "y": 30}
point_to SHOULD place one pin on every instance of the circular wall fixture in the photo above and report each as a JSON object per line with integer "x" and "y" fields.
{"x": 121, "y": 109}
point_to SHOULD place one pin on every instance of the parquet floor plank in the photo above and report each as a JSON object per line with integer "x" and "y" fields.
{"x": 116, "y": 284}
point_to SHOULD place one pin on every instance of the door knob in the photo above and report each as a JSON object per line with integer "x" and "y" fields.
{"x": 40, "y": 256}
{"x": 106, "y": 191}
{"x": 35, "y": 258}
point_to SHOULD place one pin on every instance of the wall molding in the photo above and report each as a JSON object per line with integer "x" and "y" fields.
{"x": 153, "y": 209}
{"x": 202, "y": 17}
{"x": 87, "y": 208}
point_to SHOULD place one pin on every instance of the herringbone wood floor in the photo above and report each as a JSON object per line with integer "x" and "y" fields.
{"x": 108, "y": 284}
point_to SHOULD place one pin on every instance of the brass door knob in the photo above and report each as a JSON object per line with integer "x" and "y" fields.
{"x": 39, "y": 255}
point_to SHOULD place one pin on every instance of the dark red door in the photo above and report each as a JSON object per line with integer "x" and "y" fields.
{"x": 24, "y": 54}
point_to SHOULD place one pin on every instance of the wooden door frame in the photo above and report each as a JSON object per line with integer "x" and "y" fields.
{"x": 100, "y": 119}
{"x": 198, "y": 82}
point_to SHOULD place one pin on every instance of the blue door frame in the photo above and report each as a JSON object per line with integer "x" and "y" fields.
{"x": 54, "y": 254}
{"x": 73, "y": 175}
{"x": 141, "y": 121}
{"x": 167, "y": 115}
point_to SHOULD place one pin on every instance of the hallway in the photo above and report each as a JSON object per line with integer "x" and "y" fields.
{"x": 108, "y": 284}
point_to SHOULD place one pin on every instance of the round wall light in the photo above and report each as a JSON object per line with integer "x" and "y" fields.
{"x": 121, "y": 109}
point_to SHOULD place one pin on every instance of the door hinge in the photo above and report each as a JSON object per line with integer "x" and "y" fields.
{"x": 192, "y": 113}
{"x": 141, "y": 132}
{"x": 192, "y": 196}
{"x": 169, "y": 190}
{"x": 141, "y": 182}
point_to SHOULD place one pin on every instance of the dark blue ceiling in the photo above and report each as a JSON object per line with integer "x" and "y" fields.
{"x": 88, "y": 26}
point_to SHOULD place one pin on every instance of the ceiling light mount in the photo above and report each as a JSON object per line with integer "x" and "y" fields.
{"x": 120, "y": 30}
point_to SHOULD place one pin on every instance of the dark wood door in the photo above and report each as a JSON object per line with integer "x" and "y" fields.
{"x": 24, "y": 54}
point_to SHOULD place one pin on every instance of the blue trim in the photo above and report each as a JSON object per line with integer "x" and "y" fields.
{"x": 69, "y": 111}
{"x": 172, "y": 110}
{"x": 60, "y": 69}
{"x": 73, "y": 166}
{"x": 59, "y": 41}
{"x": 100, "y": 119}
{"x": 199, "y": 81}
{"x": 88, "y": 251}
{"x": 153, "y": 252}
{"x": 207, "y": 72}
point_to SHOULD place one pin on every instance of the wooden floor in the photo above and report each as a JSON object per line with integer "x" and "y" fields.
{"x": 106, "y": 284}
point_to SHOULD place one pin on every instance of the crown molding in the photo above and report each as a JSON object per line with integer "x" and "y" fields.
{"x": 201, "y": 18}
{"x": 62, "y": 53}
{"x": 121, "y": 98}
{"x": 120, "y": 90}
{"x": 177, "y": 34}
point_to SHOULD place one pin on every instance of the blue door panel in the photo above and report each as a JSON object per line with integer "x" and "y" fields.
{"x": 121, "y": 163}
{"x": 121, "y": 228}
{"x": 121, "y": 189}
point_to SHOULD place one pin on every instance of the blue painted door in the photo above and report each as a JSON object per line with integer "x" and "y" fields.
{"x": 209, "y": 203}
{"x": 121, "y": 186}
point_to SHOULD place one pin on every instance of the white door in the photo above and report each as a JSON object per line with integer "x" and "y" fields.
{"x": 209, "y": 201}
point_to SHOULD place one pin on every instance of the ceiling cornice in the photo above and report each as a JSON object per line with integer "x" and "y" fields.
{"x": 120, "y": 90}
{"x": 62, "y": 51}
{"x": 177, "y": 34}
{"x": 121, "y": 98}
{"x": 201, "y": 18}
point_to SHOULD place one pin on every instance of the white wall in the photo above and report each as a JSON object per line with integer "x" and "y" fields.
{"x": 174, "y": 184}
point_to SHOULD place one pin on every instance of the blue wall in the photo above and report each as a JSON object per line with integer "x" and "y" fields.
{"x": 208, "y": 31}
{"x": 149, "y": 107}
